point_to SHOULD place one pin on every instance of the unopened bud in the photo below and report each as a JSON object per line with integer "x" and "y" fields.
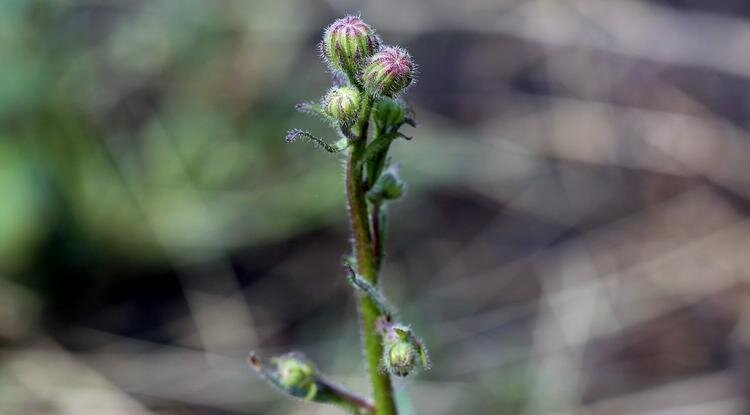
{"x": 388, "y": 112}
{"x": 388, "y": 72}
{"x": 388, "y": 186}
{"x": 295, "y": 372}
{"x": 401, "y": 358}
{"x": 347, "y": 43}
{"x": 402, "y": 350}
{"x": 342, "y": 104}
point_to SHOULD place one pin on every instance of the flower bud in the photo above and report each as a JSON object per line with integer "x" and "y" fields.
{"x": 342, "y": 104}
{"x": 295, "y": 372}
{"x": 388, "y": 186}
{"x": 347, "y": 43}
{"x": 388, "y": 72}
{"x": 401, "y": 357}
{"x": 402, "y": 350}
{"x": 388, "y": 112}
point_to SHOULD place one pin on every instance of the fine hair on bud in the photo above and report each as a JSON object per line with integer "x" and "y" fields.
{"x": 347, "y": 43}
{"x": 342, "y": 104}
{"x": 403, "y": 352}
{"x": 388, "y": 72}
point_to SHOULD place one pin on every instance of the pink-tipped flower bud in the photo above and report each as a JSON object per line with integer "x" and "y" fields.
{"x": 347, "y": 43}
{"x": 388, "y": 72}
{"x": 342, "y": 104}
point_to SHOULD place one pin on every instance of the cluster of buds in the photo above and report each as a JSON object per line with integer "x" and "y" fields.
{"x": 351, "y": 48}
{"x": 372, "y": 77}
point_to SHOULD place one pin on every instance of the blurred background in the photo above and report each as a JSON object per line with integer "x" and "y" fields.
{"x": 574, "y": 240}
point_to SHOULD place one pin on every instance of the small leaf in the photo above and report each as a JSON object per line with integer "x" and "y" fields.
{"x": 370, "y": 291}
{"x": 424, "y": 358}
{"x": 311, "y": 108}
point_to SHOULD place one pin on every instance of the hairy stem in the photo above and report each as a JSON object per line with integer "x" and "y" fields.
{"x": 366, "y": 267}
{"x": 376, "y": 218}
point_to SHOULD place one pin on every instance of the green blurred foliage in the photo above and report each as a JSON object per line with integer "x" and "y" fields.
{"x": 157, "y": 129}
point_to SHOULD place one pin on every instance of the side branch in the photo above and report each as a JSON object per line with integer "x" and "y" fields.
{"x": 291, "y": 379}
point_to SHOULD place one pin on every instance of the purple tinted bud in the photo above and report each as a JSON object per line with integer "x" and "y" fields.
{"x": 347, "y": 43}
{"x": 388, "y": 71}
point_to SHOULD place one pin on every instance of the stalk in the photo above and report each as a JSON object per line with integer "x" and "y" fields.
{"x": 363, "y": 248}
{"x": 377, "y": 218}
{"x": 350, "y": 46}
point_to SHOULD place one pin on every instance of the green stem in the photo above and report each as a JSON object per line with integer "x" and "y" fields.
{"x": 324, "y": 391}
{"x": 362, "y": 246}
{"x": 378, "y": 232}
{"x": 351, "y": 402}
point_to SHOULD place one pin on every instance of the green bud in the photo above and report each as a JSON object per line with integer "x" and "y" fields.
{"x": 388, "y": 112}
{"x": 347, "y": 43}
{"x": 402, "y": 350}
{"x": 401, "y": 358}
{"x": 295, "y": 372}
{"x": 342, "y": 104}
{"x": 388, "y": 72}
{"x": 388, "y": 186}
